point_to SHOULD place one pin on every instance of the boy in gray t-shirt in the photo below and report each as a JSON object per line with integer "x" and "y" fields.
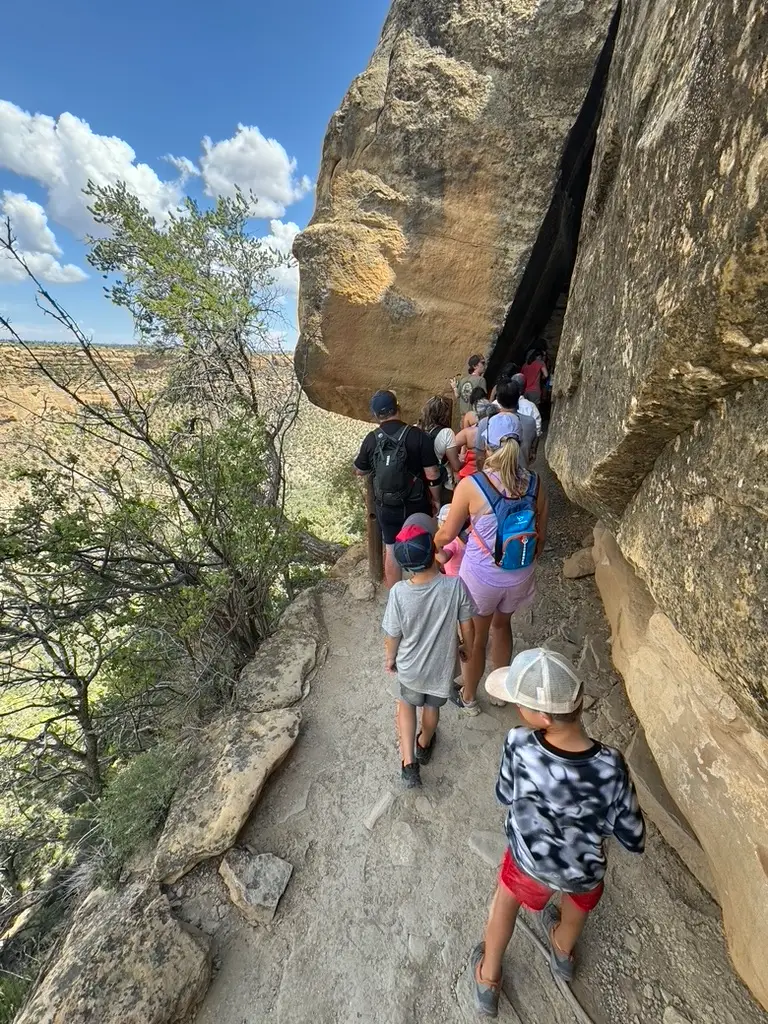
{"x": 422, "y": 641}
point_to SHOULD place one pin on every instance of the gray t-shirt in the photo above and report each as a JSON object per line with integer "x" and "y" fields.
{"x": 424, "y": 617}
{"x": 527, "y": 434}
{"x": 465, "y": 386}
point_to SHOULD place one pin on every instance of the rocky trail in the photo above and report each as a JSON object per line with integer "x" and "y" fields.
{"x": 389, "y": 888}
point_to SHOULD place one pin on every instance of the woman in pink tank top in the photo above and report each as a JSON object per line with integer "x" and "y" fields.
{"x": 496, "y": 592}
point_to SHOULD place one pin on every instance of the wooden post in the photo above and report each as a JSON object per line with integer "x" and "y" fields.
{"x": 373, "y": 534}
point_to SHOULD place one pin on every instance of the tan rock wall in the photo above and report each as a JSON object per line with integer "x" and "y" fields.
{"x": 437, "y": 172}
{"x": 713, "y": 761}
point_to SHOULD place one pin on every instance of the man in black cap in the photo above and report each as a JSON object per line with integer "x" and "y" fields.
{"x": 406, "y": 474}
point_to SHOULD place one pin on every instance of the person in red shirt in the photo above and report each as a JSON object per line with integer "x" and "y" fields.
{"x": 534, "y": 371}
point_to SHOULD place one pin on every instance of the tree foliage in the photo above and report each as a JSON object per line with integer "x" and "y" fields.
{"x": 136, "y": 581}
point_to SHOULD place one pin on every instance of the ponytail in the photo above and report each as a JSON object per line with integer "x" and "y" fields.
{"x": 506, "y": 462}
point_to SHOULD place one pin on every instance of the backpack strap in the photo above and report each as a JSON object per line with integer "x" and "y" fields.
{"x": 491, "y": 493}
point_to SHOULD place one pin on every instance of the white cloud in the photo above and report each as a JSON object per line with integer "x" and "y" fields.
{"x": 184, "y": 166}
{"x": 255, "y": 164}
{"x": 30, "y": 224}
{"x": 36, "y": 244}
{"x": 280, "y": 240}
{"x": 61, "y": 155}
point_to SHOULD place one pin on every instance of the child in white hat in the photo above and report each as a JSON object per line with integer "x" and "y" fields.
{"x": 566, "y": 793}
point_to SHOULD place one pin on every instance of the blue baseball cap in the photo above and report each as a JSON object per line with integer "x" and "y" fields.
{"x": 384, "y": 403}
{"x": 414, "y": 546}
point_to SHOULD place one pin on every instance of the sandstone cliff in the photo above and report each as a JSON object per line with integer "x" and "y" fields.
{"x": 458, "y": 164}
{"x": 437, "y": 172}
{"x": 662, "y": 374}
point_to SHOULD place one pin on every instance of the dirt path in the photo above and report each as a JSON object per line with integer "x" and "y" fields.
{"x": 390, "y": 888}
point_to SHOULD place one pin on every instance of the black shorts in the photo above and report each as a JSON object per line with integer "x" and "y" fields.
{"x": 391, "y": 518}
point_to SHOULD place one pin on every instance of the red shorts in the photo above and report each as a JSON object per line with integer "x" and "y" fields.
{"x": 535, "y": 895}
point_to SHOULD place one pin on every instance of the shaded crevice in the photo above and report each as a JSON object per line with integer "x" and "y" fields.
{"x": 538, "y": 307}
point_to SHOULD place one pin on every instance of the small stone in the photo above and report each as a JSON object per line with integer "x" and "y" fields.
{"x": 380, "y": 808}
{"x": 648, "y": 993}
{"x": 633, "y": 944}
{"x": 563, "y": 647}
{"x": 588, "y": 540}
{"x": 671, "y": 1016}
{"x": 587, "y": 702}
{"x": 221, "y": 910}
{"x": 361, "y": 590}
{"x": 402, "y": 845}
{"x": 579, "y": 564}
{"x": 255, "y": 884}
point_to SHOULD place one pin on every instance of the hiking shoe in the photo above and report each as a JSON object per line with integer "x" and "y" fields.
{"x": 561, "y": 964}
{"x": 410, "y": 775}
{"x": 484, "y": 995}
{"x": 424, "y": 754}
{"x": 496, "y": 702}
{"x": 469, "y": 707}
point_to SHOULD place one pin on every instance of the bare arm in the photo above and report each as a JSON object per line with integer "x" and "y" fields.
{"x": 452, "y": 457}
{"x": 467, "y": 630}
{"x": 391, "y": 643}
{"x": 456, "y": 517}
{"x": 432, "y": 473}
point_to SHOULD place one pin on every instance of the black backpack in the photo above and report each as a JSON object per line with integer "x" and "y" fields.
{"x": 393, "y": 482}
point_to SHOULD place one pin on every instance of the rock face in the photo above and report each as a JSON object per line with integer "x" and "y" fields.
{"x": 662, "y": 372}
{"x": 437, "y": 173}
{"x": 213, "y": 804}
{"x": 126, "y": 960}
{"x": 714, "y": 763}
{"x": 662, "y": 375}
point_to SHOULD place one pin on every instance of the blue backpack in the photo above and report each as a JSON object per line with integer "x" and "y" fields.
{"x": 515, "y": 523}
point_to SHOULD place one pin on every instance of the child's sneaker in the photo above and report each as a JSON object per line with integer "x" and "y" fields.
{"x": 424, "y": 754}
{"x": 561, "y": 964}
{"x": 410, "y": 775}
{"x": 469, "y": 707}
{"x": 484, "y": 994}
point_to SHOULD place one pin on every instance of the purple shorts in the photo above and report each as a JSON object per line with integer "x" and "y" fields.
{"x": 506, "y": 600}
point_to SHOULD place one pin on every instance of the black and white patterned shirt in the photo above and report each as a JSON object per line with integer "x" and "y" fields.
{"x": 562, "y": 808}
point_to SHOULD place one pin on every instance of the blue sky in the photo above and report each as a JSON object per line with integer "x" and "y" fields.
{"x": 159, "y": 77}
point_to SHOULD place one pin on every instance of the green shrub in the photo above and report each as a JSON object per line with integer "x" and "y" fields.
{"x": 136, "y": 802}
{"x": 12, "y": 993}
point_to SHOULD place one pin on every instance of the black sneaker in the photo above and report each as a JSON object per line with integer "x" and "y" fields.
{"x": 424, "y": 754}
{"x": 410, "y": 775}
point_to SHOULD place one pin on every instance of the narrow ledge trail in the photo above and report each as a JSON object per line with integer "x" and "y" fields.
{"x": 390, "y": 888}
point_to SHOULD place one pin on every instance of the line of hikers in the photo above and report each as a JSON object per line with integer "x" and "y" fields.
{"x": 465, "y": 517}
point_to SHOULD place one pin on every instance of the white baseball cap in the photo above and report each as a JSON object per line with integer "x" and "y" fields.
{"x": 539, "y": 680}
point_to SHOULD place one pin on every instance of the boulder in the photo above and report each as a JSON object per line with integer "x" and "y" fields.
{"x": 215, "y": 799}
{"x": 255, "y": 883}
{"x": 579, "y": 564}
{"x": 276, "y": 676}
{"x": 712, "y": 760}
{"x": 349, "y": 561}
{"x": 668, "y": 310}
{"x": 361, "y": 589}
{"x": 126, "y": 960}
{"x": 305, "y": 615}
{"x": 436, "y": 175}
